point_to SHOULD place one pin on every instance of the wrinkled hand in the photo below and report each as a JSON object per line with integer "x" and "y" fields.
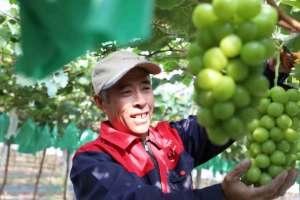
{"x": 234, "y": 189}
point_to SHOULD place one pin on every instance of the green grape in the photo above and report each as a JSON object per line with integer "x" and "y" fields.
{"x": 204, "y": 98}
{"x": 269, "y": 47}
{"x": 223, "y": 110}
{"x": 241, "y": 97}
{"x": 221, "y": 30}
{"x": 278, "y": 94}
{"x": 247, "y": 9}
{"x": 265, "y": 179}
{"x": 260, "y": 134}
{"x": 268, "y": 147}
{"x": 291, "y": 108}
{"x": 195, "y": 65}
{"x": 217, "y": 136}
{"x": 237, "y": 70}
{"x": 253, "y": 174}
{"x": 247, "y": 31}
{"x": 276, "y": 134}
{"x": 266, "y": 21}
{"x": 275, "y": 109}
{"x": 205, "y": 117}
{"x": 215, "y": 59}
{"x": 224, "y": 9}
{"x": 262, "y": 161}
{"x": 231, "y": 45}
{"x": 263, "y": 105}
{"x": 267, "y": 122}
{"x": 205, "y": 38}
{"x": 203, "y": 16}
{"x": 208, "y": 78}
{"x": 224, "y": 89}
{"x": 257, "y": 85}
{"x": 278, "y": 158}
{"x": 253, "y": 53}
{"x": 234, "y": 127}
{"x": 195, "y": 50}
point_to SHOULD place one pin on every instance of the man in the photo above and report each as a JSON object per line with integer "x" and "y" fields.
{"x": 133, "y": 160}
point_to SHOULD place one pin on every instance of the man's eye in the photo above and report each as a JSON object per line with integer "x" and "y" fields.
{"x": 146, "y": 88}
{"x": 126, "y": 92}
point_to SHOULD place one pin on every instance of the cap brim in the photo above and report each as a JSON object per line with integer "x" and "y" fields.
{"x": 148, "y": 66}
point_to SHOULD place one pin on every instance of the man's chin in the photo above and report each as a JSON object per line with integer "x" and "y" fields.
{"x": 140, "y": 131}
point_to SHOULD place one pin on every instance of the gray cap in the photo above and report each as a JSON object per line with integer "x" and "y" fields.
{"x": 113, "y": 67}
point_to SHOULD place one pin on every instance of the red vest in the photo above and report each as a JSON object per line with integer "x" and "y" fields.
{"x": 127, "y": 149}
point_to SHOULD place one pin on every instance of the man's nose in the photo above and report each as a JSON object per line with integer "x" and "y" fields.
{"x": 140, "y": 100}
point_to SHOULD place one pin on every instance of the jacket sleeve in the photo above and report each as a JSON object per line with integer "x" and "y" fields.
{"x": 99, "y": 177}
{"x": 195, "y": 140}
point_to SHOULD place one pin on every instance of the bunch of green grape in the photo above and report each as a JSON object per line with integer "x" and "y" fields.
{"x": 232, "y": 42}
{"x": 273, "y": 143}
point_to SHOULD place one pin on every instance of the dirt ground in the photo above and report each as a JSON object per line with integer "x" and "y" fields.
{"x": 23, "y": 169}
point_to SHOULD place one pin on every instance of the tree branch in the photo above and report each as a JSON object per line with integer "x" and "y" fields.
{"x": 170, "y": 49}
{"x": 287, "y": 26}
{"x": 7, "y": 15}
{"x": 288, "y": 22}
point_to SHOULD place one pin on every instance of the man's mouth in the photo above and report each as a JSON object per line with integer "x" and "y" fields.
{"x": 143, "y": 115}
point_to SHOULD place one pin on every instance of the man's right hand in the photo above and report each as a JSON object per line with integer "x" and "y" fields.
{"x": 234, "y": 189}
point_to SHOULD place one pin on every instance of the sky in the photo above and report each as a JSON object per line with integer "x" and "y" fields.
{"x": 4, "y": 5}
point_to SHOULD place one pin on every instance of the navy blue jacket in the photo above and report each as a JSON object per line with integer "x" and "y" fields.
{"x": 120, "y": 166}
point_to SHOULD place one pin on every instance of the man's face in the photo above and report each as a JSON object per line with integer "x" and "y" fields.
{"x": 130, "y": 102}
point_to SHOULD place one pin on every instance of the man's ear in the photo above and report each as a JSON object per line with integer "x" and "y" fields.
{"x": 98, "y": 101}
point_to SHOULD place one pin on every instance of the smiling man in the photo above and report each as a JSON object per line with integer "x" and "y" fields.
{"x": 133, "y": 160}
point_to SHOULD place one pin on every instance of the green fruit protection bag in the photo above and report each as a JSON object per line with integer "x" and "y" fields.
{"x": 26, "y": 137}
{"x": 54, "y": 32}
{"x": 70, "y": 138}
{"x": 4, "y": 124}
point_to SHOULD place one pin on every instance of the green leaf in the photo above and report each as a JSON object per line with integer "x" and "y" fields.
{"x": 294, "y": 44}
{"x": 176, "y": 78}
{"x": 296, "y": 71}
{"x": 155, "y": 83}
{"x": 168, "y": 4}
{"x": 170, "y": 65}
{"x": 12, "y": 1}
{"x": 158, "y": 40}
{"x": 294, "y": 3}
{"x": 5, "y": 33}
{"x": 187, "y": 80}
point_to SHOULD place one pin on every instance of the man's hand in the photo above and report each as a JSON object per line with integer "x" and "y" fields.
{"x": 234, "y": 189}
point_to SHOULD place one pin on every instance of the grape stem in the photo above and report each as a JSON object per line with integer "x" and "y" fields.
{"x": 285, "y": 20}
{"x": 277, "y": 68}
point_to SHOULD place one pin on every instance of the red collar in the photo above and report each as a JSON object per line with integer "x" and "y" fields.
{"x": 116, "y": 137}
{"x": 124, "y": 140}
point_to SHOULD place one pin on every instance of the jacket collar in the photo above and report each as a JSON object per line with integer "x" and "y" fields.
{"x": 123, "y": 139}
{"x": 116, "y": 137}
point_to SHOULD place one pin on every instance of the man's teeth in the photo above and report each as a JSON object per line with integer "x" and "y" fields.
{"x": 141, "y": 116}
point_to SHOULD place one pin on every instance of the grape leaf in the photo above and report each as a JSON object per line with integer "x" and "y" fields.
{"x": 296, "y": 71}
{"x": 294, "y": 43}
{"x": 294, "y": 3}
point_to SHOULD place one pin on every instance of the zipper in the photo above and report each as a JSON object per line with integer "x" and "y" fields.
{"x": 149, "y": 151}
{"x": 153, "y": 159}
